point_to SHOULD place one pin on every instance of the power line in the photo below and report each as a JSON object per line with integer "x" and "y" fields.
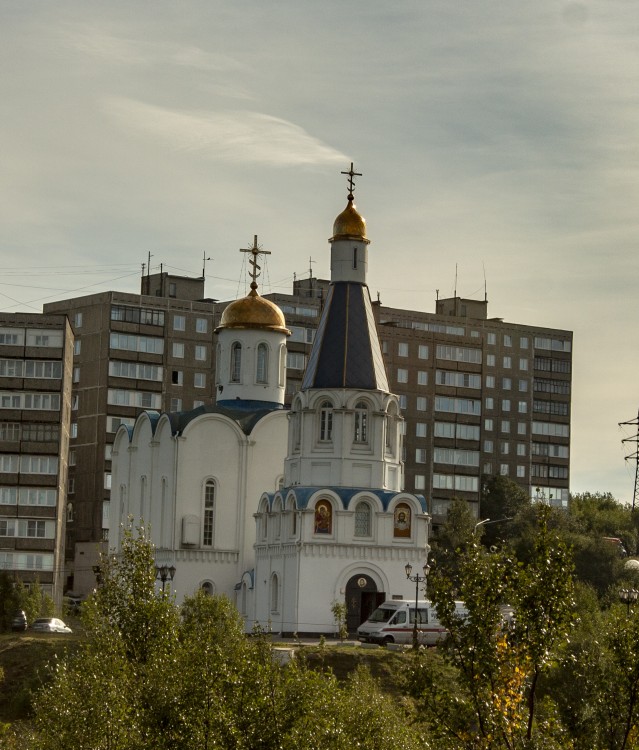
{"x": 634, "y": 456}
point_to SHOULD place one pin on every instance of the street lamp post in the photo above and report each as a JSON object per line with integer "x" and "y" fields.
{"x": 164, "y": 573}
{"x": 408, "y": 568}
{"x": 628, "y": 597}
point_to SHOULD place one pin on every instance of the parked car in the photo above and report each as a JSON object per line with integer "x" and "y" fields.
{"x": 50, "y": 625}
{"x": 19, "y": 621}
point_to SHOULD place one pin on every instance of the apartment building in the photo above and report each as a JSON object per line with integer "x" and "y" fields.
{"x": 36, "y": 356}
{"x": 131, "y": 352}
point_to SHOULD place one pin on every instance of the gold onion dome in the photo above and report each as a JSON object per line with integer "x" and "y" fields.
{"x": 349, "y": 224}
{"x": 253, "y": 311}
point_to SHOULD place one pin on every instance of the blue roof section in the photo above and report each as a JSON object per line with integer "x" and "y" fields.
{"x": 346, "y": 351}
{"x": 345, "y": 494}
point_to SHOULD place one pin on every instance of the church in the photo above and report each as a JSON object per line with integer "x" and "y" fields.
{"x": 284, "y": 511}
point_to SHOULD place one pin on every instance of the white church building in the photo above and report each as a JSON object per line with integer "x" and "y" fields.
{"x": 286, "y": 512}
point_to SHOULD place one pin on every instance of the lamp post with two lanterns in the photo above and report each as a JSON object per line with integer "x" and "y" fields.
{"x": 628, "y": 597}
{"x": 164, "y": 573}
{"x": 417, "y": 579}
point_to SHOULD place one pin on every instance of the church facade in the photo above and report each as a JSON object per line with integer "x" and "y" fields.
{"x": 285, "y": 512}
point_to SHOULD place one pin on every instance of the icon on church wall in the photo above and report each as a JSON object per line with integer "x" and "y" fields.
{"x": 323, "y": 517}
{"x": 401, "y": 526}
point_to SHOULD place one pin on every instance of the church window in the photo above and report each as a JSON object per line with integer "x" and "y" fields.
{"x": 402, "y": 521}
{"x": 326, "y": 421}
{"x": 354, "y": 257}
{"x": 275, "y": 593}
{"x": 209, "y": 513}
{"x": 282, "y": 375}
{"x": 363, "y": 519}
{"x": 142, "y": 498}
{"x": 361, "y": 422}
{"x": 261, "y": 374}
{"x": 218, "y": 365}
{"x": 236, "y": 362}
{"x": 208, "y": 588}
{"x": 323, "y": 517}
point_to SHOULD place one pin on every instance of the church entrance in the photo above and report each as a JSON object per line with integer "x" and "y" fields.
{"x": 362, "y": 597}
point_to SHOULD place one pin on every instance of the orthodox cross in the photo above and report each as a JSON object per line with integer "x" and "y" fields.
{"x": 351, "y": 184}
{"x": 255, "y": 251}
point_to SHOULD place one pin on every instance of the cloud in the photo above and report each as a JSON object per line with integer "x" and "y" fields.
{"x": 98, "y": 43}
{"x": 236, "y": 136}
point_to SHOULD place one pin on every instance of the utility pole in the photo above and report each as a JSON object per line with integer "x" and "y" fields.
{"x": 634, "y": 456}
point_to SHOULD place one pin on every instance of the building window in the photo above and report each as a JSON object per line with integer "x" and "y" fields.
{"x": 488, "y": 424}
{"x": 200, "y": 353}
{"x": 77, "y": 320}
{"x": 73, "y": 432}
{"x": 490, "y": 402}
{"x": 488, "y": 446}
{"x": 179, "y": 323}
{"x": 508, "y": 362}
{"x": 201, "y": 325}
{"x": 236, "y": 362}
{"x": 402, "y": 375}
{"x": 208, "y": 524}
{"x": 176, "y": 404}
{"x": 420, "y": 456}
{"x": 422, "y": 351}
{"x": 522, "y": 407}
{"x": 508, "y": 341}
{"x": 505, "y": 404}
{"x": 521, "y": 449}
{"x": 505, "y": 425}
{"x": 523, "y": 342}
{"x": 402, "y": 349}
{"x": 490, "y": 360}
{"x": 422, "y": 403}
{"x": 76, "y": 374}
{"x": 521, "y": 471}
{"x": 295, "y": 360}
{"x": 505, "y": 448}
{"x": 178, "y": 350}
{"x": 361, "y": 422}
{"x": 503, "y": 470}
{"x": 420, "y": 482}
{"x": 199, "y": 380}
{"x": 492, "y": 338}
{"x": 523, "y": 363}
{"x": 506, "y": 383}
{"x": 521, "y": 428}
{"x": 523, "y": 386}
{"x": 275, "y": 593}
{"x": 261, "y": 373}
{"x": 420, "y": 429}
{"x": 422, "y": 378}
{"x": 363, "y": 519}
{"x": 326, "y": 421}
{"x": 490, "y": 381}
{"x": 403, "y": 402}
{"x": 77, "y": 347}
{"x": 177, "y": 377}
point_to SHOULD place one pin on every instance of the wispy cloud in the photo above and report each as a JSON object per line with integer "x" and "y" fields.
{"x": 236, "y": 136}
{"x": 99, "y": 43}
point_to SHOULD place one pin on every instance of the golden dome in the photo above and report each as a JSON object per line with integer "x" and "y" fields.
{"x": 349, "y": 224}
{"x": 253, "y": 311}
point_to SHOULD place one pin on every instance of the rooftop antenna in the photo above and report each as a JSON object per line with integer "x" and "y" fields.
{"x": 634, "y": 455}
{"x": 204, "y": 259}
{"x": 255, "y": 251}
{"x": 455, "y": 293}
{"x": 483, "y": 265}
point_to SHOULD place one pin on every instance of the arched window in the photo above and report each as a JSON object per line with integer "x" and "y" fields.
{"x": 402, "y": 520}
{"x": 282, "y": 376}
{"x": 208, "y": 588}
{"x": 236, "y": 362}
{"x": 208, "y": 525}
{"x": 326, "y": 421}
{"x": 363, "y": 519}
{"x": 361, "y": 422}
{"x": 142, "y": 499}
{"x": 261, "y": 366}
{"x": 243, "y": 599}
{"x": 275, "y": 593}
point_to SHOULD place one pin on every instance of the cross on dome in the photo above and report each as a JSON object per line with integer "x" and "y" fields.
{"x": 255, "y": 251}
{"x": 351, "y": 183}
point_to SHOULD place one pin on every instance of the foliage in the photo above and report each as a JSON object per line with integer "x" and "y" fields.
{"x": 15, "y": 595}
{"x": 189, "y": 677}
{"x": 500, "y": 499}
{"x": 486, "y": 698}
{"x": 338, "y": 610}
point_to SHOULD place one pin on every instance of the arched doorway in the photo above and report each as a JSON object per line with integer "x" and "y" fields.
{"x": 362, "y": 597}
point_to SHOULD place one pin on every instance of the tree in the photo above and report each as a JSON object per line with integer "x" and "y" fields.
{"x": 153, "y": 675}
{"x": 500, "y": 499}
{"x": 488, "y": 696}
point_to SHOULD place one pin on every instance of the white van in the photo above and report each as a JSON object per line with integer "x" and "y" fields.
{"x": 394, "y": 621}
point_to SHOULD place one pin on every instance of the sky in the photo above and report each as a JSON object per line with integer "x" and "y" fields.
{"x": 495, "y": 139}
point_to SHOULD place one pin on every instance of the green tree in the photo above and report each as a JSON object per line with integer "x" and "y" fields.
{"x": 486, "y": 698}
